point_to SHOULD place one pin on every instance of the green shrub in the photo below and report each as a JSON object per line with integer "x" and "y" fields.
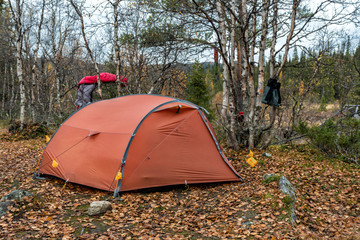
{"x": 29, "y": 130}
{"x": 339, "y": 138}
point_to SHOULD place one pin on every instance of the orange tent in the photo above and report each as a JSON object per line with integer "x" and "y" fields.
{"x": 134, "y": 142}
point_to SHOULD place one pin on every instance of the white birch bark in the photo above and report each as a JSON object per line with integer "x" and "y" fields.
{"x": 34, "y": 69}
{"x": 115, "y": 6}
{"x": 17, "y": 13}
{"x": 249, "y": 76}
{"x": 273, "y": 72}
{"x": 231, "y": 85}
{"x": 295, "y": 6}
{"x": 4, "y": 87}
{"x": 12, "y": 96}
{"x": 273, "y": 39}
{"x": 261, "y": 76}
{"x": 223, "y": 42}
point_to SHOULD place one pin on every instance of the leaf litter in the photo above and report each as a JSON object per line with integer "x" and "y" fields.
{"x": 327, "y": 207}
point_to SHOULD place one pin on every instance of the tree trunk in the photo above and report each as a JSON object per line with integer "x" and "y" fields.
{"x": 34, "y": 69}
{"x": 19, "y": 64}
{"x": 4, "y": 91}
{"x": 277, "y": 73}
{"x": 58, "y": 89}
{"x": 228, "y": 105}
{"x": 233, "y": 83}
{"x": 264, "y": 27}
{"x": 272, "y": 60}
{"x": 251, "y": 85}
{"x": 261, "y": 75}
{"x": 295, "y": 6}
{"x": 12, "y": 96}
{"x": 78, "y": 12}
{"x": 116, "y": 45}
{"x": 223, "y": 42}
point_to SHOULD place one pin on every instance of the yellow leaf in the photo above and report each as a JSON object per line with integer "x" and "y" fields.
{"x": 251, "y": 154}
{"x": 47, "y": 138}
{"x": 54, "y": 163}
{"x": 118, "y": 175}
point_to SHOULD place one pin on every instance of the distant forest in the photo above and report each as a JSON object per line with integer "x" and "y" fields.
{"x": 217, "y": 54}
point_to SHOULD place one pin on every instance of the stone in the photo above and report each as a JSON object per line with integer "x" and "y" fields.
{"x": 99, "y": 207}
{"x": 293, "y": 217}
{"x": 266, "y": 155}
{"x": 287, "y": 188}
{"x": 4, "y": 207}
{"x": 16, "y": 195}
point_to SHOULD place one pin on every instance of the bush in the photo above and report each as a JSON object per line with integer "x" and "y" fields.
{"x": 339, "y": 138}
{"x": 29, "y": 131}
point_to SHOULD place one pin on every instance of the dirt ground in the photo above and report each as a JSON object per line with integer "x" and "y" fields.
{"x": 327, "y": 207}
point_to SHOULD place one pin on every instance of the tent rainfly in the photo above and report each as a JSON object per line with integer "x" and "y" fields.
{"x": 135, "y": 142}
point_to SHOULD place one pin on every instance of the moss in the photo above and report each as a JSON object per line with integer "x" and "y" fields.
{"x": 83, "y": 207}
{"x": 271, "y": 179}
{"x": 268, "y": 195}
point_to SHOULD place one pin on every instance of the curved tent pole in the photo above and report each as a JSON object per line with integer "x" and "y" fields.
{"x": 217, "y": 144}
{"x": 122, "y": 168}
{"x": 201, "y": 112}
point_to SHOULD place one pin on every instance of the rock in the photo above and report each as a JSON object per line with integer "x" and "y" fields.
{"x": 287, "y": 188}
{"x": 4, "y": 207}
{"x": 266, "y": 155}
{"x": 293, "y": 217}
{"x": 99, "y": 207}
{"x": 16, "y": 195}
{"x": 247, "y": 223}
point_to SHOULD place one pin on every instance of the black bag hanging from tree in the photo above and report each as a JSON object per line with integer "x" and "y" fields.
{"x": 272, "y": 93}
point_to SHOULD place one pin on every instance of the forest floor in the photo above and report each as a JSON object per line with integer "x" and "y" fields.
{"x": 327, "y": 207}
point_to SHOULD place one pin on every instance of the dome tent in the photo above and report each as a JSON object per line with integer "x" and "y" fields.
{"x": 134, "y": 142}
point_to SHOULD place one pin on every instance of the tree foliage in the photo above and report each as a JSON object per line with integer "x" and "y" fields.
{"x": 340, "y": 139}
{"x": 153, "y": 44}
{"x": 197, "y": 91}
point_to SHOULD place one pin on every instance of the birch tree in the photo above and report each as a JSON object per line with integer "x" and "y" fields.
{"x": 80, "y": 15}
{"x": 115, "y": 5}
{"x": 243, "y": 30}
{"x": 34, "y": 68}
{"x": 17, "y": 11}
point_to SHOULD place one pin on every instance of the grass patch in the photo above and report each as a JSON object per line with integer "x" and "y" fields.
{"x": 268, "y": 195}
{"x": 159, "y": 209}
{"x": 271, "y": 179}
